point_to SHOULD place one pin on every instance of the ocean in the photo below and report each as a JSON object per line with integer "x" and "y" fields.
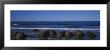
{"x": 84, "y": 26}
{"x": 57, "y": 24}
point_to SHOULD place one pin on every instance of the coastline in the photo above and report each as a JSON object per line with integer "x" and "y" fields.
{"x": 61, "y": 28}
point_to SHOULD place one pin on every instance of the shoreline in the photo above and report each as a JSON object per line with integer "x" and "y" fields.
{"x": 61, "y": 28}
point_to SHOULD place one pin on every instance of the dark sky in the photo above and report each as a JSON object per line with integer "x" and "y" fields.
{"x": 55, "y": 15}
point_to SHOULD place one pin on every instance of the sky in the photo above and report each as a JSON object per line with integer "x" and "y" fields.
{"x": 55, "y": 15}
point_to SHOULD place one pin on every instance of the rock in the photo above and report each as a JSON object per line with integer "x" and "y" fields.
{"x": 78, "y": 35}
{"x": 91, "y": 35}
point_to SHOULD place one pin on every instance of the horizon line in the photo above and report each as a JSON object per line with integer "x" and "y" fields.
{"x": 27, "y": 21}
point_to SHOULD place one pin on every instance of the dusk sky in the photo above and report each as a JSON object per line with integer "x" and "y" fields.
{"x": 55, "y": 15}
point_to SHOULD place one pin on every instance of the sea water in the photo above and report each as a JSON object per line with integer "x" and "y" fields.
{"x": 28, "y": 26}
